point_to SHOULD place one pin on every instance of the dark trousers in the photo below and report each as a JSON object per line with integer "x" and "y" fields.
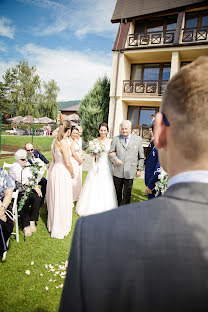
{"x": 5, "y": 231}
{"x": 123, "y": 190}
{"x": 43, "y": 184}
{"x": 30, "y": 211}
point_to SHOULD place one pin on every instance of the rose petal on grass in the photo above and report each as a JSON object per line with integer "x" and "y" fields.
{"x": 32, "y": 262}
{"x": 46, "y": 288}
{"x": 27, "y": 272}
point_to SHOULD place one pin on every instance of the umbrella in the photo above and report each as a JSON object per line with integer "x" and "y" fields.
{"x": 29, "y": 119}
{"x": 45, "y": 120}
{"x": 74, "y": 117}
{"x": 15, "y": 119}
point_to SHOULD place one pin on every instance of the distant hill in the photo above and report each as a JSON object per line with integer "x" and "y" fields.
{"x": 63, "y": 104}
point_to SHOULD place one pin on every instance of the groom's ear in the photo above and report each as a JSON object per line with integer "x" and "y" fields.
{"x": 160, "y": 131}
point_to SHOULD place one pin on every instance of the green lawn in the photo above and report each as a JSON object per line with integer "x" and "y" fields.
{"x": 21, "y": 292}
{"x": 40, "y": 143}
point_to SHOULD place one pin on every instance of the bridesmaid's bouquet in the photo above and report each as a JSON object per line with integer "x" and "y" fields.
{"x": 162, "y": 184}
{"x": 95, "y": 147}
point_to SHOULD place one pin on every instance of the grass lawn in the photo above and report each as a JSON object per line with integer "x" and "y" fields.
{"x": 21, "y": 292}
{"x": 41, "y": 143}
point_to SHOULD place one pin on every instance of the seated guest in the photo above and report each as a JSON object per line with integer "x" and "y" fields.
{"x": 6, "y": 222}
{"x": 32, "y": 153}
{"x": 20, "y": 171}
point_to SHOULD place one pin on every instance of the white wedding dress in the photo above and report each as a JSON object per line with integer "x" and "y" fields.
{"x": 98, "y": 193}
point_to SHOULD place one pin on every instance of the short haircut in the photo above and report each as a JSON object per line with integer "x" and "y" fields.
{"x": 20, "y": 154}
{"x": 185, "y": 102}
{"x": 28, "y": 143}
{"x": 126, "y": 122}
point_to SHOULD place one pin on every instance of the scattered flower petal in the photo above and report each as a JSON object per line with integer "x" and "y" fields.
{"x": 27, "y": 272}
{"x": 46, "y": 288}
{"x": 41, "y": 274}
{"x": 46, "y": 266}
{"x": 32, "y": 262}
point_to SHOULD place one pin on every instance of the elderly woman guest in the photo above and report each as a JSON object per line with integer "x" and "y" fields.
{"x": 21, "y": 172}
{"x": 6, "y": 223}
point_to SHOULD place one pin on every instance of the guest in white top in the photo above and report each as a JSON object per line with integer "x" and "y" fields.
{"x": 20, "y": 171}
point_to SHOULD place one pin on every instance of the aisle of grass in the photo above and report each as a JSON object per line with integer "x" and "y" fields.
{"x": 27, "y": 293}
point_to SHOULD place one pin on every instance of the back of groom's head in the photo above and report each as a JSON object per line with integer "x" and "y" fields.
{"x": 185, "y": 103}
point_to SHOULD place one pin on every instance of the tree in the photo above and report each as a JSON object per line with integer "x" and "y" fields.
{"x": 48, "y": 104}
{"x": 23, "y": 86}
{"x": 94, "y": 108}
{"x": 23, "y": 93}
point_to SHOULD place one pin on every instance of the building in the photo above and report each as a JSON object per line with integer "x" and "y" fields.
{"x": 71, "y": 109}
{"x": 154, "y": 39}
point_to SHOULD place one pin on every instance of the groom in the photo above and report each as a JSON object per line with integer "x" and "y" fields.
{"x": 126, "y": 150}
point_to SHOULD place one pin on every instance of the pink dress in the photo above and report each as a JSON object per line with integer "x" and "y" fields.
{"x": 77, "y": 181}
{"x": 59, "y": 197}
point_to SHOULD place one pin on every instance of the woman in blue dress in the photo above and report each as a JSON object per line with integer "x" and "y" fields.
{"x": 6, "y": 220}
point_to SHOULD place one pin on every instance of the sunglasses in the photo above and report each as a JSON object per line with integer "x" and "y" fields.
{"x": 165, "y": 119}
{"x": 23, "y": 159}
{"x": 30, "y": 150}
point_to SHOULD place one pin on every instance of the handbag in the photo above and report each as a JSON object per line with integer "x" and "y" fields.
{"x": 21, "y": 187}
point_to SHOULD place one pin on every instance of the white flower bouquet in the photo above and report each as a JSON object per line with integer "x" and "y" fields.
{"x": 95, "y": 147}
{"x": 37, "y": 169}
{"x": 162, "y": 184}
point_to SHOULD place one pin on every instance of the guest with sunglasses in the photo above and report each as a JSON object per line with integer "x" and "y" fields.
{"x": 20, "y": 172}
{"x": 31, "y": 155}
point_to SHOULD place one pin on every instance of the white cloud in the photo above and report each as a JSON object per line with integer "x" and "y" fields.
{"x": 3, "y": 47}
{"x": 74, "y": 72}
{"x": 82, "y": 17}
{"x": 6, "y": 29}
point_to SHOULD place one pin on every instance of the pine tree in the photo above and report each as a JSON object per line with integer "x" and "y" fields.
{"x": 94, "y": 108}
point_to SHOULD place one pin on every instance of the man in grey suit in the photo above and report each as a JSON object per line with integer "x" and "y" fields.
{"x": 127, "y": 150}
{"x": 153, "y": 256}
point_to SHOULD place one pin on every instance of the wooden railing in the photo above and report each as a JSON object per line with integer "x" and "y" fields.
{"x": 151, "y": 38}
{"x": 195, "y": 34}
{"x": 144, "y": 87}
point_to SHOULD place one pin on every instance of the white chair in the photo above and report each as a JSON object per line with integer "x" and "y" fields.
{"x": 15, "y": 219}
{"x": 6, "y": 165}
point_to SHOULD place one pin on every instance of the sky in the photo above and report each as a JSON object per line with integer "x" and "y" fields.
{"x": 69, "y": 41}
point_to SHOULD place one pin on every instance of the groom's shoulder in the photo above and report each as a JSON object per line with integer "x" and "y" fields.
{"x": 124, "y": 217}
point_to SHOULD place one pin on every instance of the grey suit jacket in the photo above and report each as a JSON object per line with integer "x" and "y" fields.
{"x": 150, "y": 256}
{"x": 128, "y": 155}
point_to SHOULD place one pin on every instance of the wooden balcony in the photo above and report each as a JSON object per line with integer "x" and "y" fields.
{"x": 151, "y": 38}
{"x": 143, "y": 87}
{"x": 194, "y": 34}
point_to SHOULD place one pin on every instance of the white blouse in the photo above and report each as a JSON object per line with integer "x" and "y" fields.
{"x": 20, "y": 174}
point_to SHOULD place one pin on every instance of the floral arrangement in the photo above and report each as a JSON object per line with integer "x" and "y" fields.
{"x": 95, "y": 147}
{"x": 37, "y": 169}
{"x": 162, "y": 184}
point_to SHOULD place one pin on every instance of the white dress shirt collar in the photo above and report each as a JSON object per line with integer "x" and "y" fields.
{"x": 200, "y": 176}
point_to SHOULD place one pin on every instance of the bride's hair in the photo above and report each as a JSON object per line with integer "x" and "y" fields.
{"x": 63, "y": 127}
{"x": 103, "y": 124}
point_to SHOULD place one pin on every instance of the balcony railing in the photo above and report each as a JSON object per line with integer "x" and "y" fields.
{"x": 151, "y": 38}
{"x": 144, "y": 87}
{"x": 195, "y": 34}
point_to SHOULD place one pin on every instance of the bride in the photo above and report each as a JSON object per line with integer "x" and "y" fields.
{"x": 98, "y": 193}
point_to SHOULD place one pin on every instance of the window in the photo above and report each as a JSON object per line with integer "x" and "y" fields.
{"x": 167, "y": 23}
{"x": 141, "y": 116}
{"x": 150, "y": 72}
{"x": 197, "y": 19}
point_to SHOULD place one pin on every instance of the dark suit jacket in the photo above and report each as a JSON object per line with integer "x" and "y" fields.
{"x": 151, "y": 167}
{"x": 37, "y": 154}
{"x": 150, "y": 256}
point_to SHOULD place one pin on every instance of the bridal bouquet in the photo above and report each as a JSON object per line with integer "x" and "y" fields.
{"x": 162, "y": 184}
{"x": 95, "y": 147}
{"x": 37, "y": 169}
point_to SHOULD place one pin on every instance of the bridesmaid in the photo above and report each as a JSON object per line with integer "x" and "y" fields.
{"x": 59, "y": 188}
{"x": 76, "y": 160}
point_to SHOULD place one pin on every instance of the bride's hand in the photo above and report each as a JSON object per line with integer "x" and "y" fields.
{"x": 113, "y": 154}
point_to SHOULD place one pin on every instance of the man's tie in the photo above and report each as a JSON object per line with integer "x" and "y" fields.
{"x": 125, "y": 141}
